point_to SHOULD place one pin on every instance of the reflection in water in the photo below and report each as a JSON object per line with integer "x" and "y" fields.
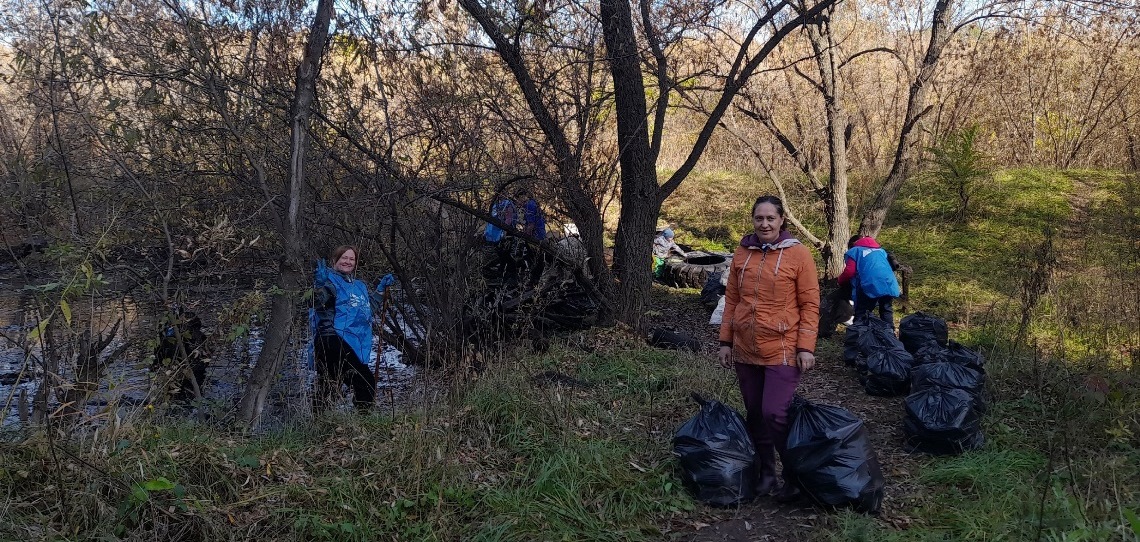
{"x": 127, "y": 383}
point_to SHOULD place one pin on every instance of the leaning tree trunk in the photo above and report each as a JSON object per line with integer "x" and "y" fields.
{"x": 283, "y": 311}
{"x": 905, "y": 157}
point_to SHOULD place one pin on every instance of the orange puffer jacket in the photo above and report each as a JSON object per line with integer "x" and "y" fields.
{"x": 771, "y": 302}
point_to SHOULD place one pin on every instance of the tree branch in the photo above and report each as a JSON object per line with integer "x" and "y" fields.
{"x": 734, "y": 83}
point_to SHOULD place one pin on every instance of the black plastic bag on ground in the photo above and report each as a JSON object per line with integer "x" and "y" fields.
{"x": 573, "y": 309}
{"x": 931, "y": 353}
{"x": 960, "y": 354}
{"x": 834, "y": 307}
{"x": 669, "y": 339}
{"x": 950, "y": 375}
{"x": 830, "y": 457}
{"x": 888, "y": 373}
{"x": 952, "y": 353}
{"x": 718, "y": 461}
{"x": 942, "y": 421}
{"x": 920, "y": 328}
{"x": 713, "y": 289}
{"x": 866, "y": 336}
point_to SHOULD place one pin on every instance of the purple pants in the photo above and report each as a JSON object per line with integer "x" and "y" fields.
{"x": 767, "y": 391}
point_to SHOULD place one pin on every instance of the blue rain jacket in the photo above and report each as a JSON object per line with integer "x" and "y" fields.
{"x": 342, "y": 306}
{"x": 506, "y": 211}
{"x": 873, "y": 274}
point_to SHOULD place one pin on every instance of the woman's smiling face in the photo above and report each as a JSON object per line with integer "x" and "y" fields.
{"x": 767, "y": 222}
{"x": 347, "y": 262}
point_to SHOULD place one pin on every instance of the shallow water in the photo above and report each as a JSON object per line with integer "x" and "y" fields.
{"x": 127, "y": 384}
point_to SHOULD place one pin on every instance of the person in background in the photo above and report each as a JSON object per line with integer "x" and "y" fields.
{"x": 533, "y": 219}
{"x": 663, "y": 246}
{"x": 505, "y": 210}
{"x": 181, "y": 355}
{"x": 768, "y": 332}
{"x": 534, "y": 225}
{"x": 343, "y": 342}
{"x": 871, "y": 273}
{"x": 501, "y": 257}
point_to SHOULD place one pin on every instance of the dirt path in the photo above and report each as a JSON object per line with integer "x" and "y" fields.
{"x": 1077, "y": 229}
{"x": 832, "y": 383}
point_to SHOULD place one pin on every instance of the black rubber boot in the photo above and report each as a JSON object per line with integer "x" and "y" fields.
{"x": 766, "y": 483}
{"x": 788, "y": 493}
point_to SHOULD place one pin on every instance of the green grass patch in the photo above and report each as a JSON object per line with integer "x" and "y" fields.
{"x": 959, "y": 265}
{"x": 505, "y": 458}
{"x": 711, "y": 210}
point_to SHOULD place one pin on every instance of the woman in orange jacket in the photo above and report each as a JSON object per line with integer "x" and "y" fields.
{"x": 771, "y": 317}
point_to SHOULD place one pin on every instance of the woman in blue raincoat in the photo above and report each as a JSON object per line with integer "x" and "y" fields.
{"x": 343, "y": 337}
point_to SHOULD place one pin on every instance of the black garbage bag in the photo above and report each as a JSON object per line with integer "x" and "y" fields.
{"x": 958, "y": 353}
{"x": 953, "y": 352}
{"x": 718, "y": 461}
{"x": 950, "y": 375}
{"x": 667, "y": 338}
{"x": 830, "y": 457}
{"x": 888, "y": 373}
{"x": 866, "y": 336}
{"x": 713, "y": 289}
{"x": 920, "y": 328}
{"x": 942, "y": 421}
{"x": 931, "y": 352}
{"x": 834, "y": 306}
{"x": 574, "y": 309}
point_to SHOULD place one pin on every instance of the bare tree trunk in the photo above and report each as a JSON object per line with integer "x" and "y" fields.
{"x": 835, "y": 197}
{"x": 290, "y": 281}
{"x": 639, "y": 203}
{"x": 916, "y": 107}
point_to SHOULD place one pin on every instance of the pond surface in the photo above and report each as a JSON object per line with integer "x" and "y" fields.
{"x": 128, "y": 383}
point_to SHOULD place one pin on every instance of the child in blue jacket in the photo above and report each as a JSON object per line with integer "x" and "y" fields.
{"x": 871, "y": 272}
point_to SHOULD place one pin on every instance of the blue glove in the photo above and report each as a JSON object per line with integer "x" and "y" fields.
{"x": 385, "y": 282}
{"x": 321, "y": 275}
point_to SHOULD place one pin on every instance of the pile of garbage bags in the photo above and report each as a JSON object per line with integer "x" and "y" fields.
{"x": 947, "y": 389}
{"x": 829, "y": 457}
{"x": 945, "y": 380}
